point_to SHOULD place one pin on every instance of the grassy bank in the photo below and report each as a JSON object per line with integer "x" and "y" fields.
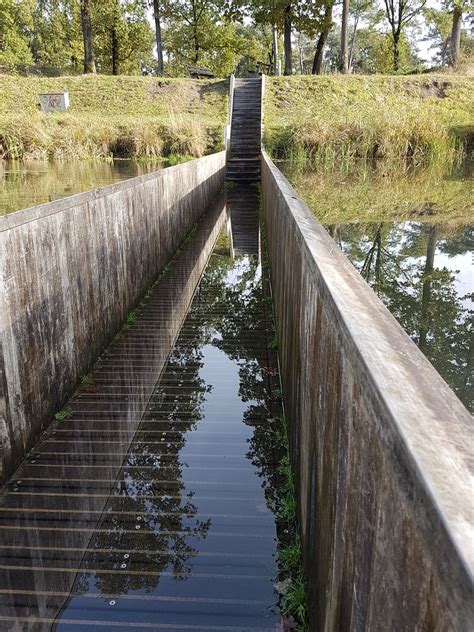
{"x": 134, "y": 117}
{"x": 338, "y": 121}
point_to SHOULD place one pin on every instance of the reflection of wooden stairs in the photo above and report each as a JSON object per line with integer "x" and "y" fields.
{"x": 243, "y": 163}
{"x": 242, "y": 207}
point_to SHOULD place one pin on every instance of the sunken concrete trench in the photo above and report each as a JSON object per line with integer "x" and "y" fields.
{"x": 151, "y": 499}
{"x": 149, "y": 504}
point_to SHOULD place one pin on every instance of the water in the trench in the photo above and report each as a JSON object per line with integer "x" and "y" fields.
{"x": 32, "y": 182}
{"x": 411, "y": 238}
{"x": 151, "y": 501}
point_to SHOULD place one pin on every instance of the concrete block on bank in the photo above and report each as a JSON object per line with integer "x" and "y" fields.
{"x": 54, "y": 101}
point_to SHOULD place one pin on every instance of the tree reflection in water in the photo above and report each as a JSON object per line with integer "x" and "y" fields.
{"x": 232, "y": 312}
{"x": 418, "y": 270}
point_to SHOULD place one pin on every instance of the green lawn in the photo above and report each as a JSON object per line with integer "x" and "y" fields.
{"x": 139, "y": 117}
{"x": 337, "y": 121}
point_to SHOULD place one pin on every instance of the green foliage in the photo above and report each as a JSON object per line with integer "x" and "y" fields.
{"x": 16, "y": 21}
{"x": 85, "y": 379}
{"x": 57, "y": 36}
{"x": 391, "y": 226}
{"x": 63, "y": 414}
{"x": 294, "y": 603}
{"x": 123, "y": 38}
{"x": 208, "y": 42}
{"x": 373, "y": 53}
{"x": 289, "y": 556}
{"x": 374, "y": 196}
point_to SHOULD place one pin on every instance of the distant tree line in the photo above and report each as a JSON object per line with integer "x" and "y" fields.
{"x": 166, "y": 37}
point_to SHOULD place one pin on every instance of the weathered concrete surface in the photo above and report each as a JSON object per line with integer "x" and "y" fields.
{"x": 379, "y": 443}
{"x": 70, "y": 272}
{"x": 110, "y": 408}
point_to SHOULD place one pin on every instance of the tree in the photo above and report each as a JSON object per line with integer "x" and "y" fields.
{"x": 445, "y": 29}
{"x": 199, "y": 33}
{"x": 57, "y": 36}
{"x": 287, "y": 40}
{"x": 89, "y": 60}
{"x": 16, "y": 23}
{"x": 188, "y": 24}
{"x": 400, "y": 265}
{"x": 358, "y": 10}
{"x": 159, "y": 41}
{"x": 457, "y": 8}
{"x": 399, "y": 14}
{"x": 123, "y": 37}
{"x": 344, "y": 59}
{"x": 439, "y": 23}
{"x": 326, "y": 26}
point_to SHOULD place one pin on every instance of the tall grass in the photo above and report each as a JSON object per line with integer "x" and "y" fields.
{"x": 128, "y": 117}
{"x": 69, "y": 136}
{"x": 399, "y": 122}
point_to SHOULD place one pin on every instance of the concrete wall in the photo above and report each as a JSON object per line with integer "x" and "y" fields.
{"x": 168, "y": 306}
{"x": 70, "y": 272}
{"x": 379, "y": 443}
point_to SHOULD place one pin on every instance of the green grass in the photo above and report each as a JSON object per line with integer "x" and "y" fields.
{"x": 290, "y": 562}
{"x": 135, "y": 117}
{"x": 338, "y": 121}
{"x": 63, "y": 414}
{"x": 294, "y": 604}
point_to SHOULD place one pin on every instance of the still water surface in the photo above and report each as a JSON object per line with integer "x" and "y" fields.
{"x": 153, "y": 502}
{"x": 412, "y": 240}
{"x": 25, "y": 184}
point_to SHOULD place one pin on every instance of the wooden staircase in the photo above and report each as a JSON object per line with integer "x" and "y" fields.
{"x": 243, "y": 162}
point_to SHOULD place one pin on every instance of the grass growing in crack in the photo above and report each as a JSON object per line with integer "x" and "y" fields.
{"x": 63, "y": 414}
{"x": 289, "y": 556}
{"x": 131, "y": 319}
{"x": 229, "y": 185}
{"x": 291, "y": 584}
{"x": 273, "y": 344}
{"x": 85, "y": 379}
{"x": 293, "y": 600}
{"x": 276, "y": 392}
{"x": 294, "y": 603}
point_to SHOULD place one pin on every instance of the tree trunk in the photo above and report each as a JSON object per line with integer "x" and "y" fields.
{"x": 159, "y": 41}
{"x": 115, "y": 50}
{"x": 287, "y": 41}
{"x": 276, "y": 64}
{"x": 352, "y": 45}
{"x": 318, "y": 56}
{"x": 89, "y": 61}
{"x": 425, "y": 324}
{"x": 343, "y": 62}
{"x": 396, "y": 51}
{"x": 455, "y": 35}
{"x": 195, "y": 34}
